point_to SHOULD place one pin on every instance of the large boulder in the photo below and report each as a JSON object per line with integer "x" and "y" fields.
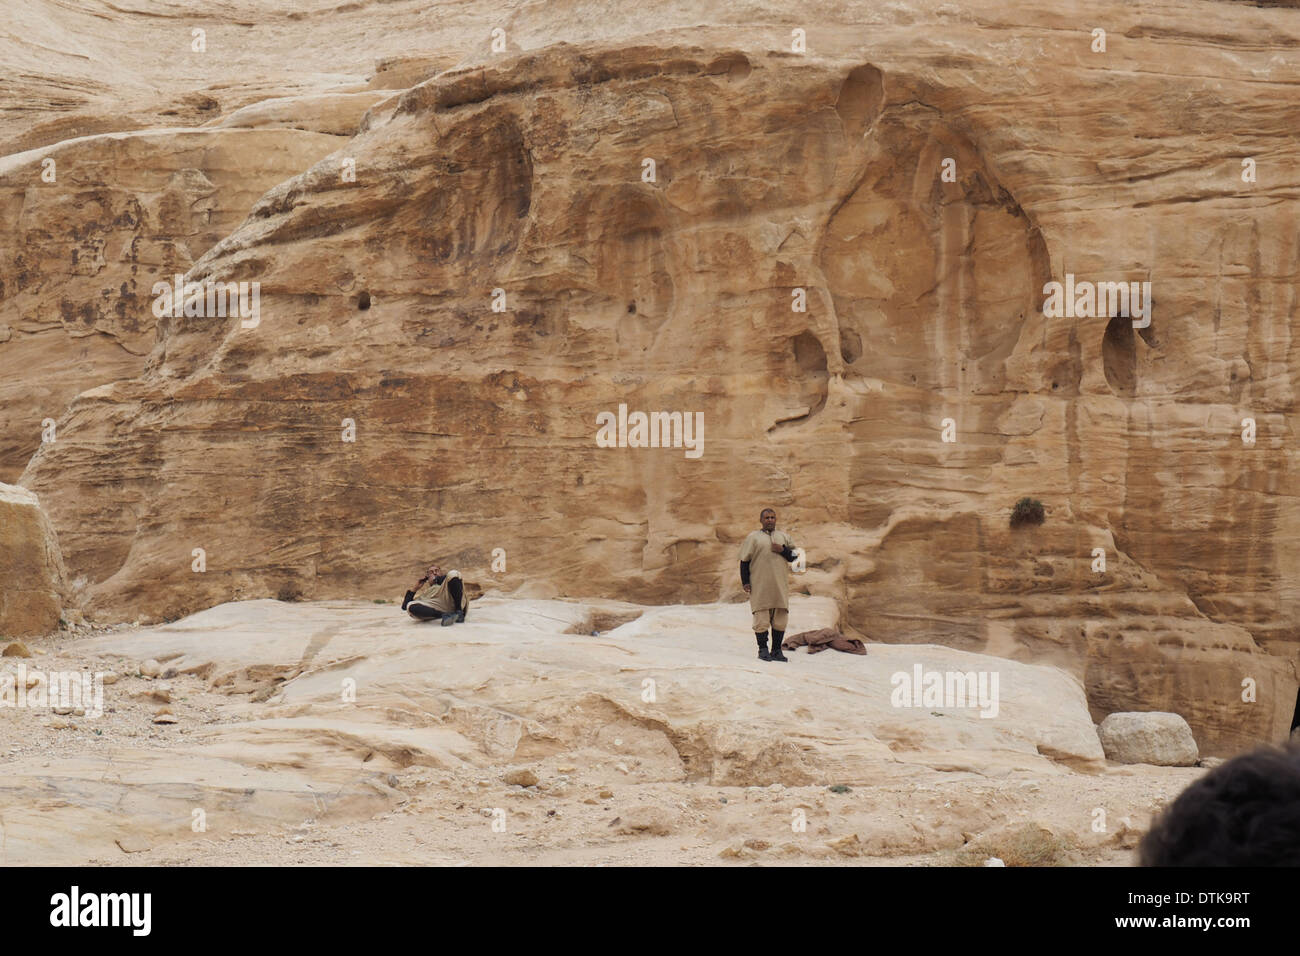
{"x": 1156, "y": 738}
{"x": 31, "y": 570}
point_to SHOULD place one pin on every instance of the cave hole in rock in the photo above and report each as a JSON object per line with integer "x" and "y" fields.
{"x": 861, "y": 96}
{"x": 1119, "y": 355}
{"x": 809, "y": 354}
{"x": 810, "y": 357}
{"x": 1295, "y": 717}
{"x": 363, "y": 301}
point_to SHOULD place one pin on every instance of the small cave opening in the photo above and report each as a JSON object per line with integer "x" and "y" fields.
{"x": 810, "y": 357}
{"x": 363, "y": 301}
{"x": 860, "y": 99}
{"x": 1295, "y": 717}
{"x": 809, "y": 354}
{"x": 1119, "y": 355}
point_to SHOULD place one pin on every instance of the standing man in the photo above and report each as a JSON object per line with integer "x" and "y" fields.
{"x": 765, "y": 558}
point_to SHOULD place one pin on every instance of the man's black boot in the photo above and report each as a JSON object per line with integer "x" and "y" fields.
{"x": 762, "y": 646}
{"x": 778, "y": 638}
{"x": 460, "y": 618}
{"x": 449, "y": 619}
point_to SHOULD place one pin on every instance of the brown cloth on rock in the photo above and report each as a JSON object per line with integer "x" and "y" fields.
{"x": 827, "y": 637}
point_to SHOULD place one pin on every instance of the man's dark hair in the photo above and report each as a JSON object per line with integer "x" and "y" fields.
{"x": 765, "y": 511}
{"x": 1243, "y": 813}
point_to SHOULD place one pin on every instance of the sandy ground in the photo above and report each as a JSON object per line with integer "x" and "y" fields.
{"x": 619, "y": 807}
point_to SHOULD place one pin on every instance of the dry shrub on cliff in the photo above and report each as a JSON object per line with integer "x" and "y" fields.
{"x": 1027, "y": 511}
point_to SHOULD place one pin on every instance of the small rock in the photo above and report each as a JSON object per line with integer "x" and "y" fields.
{"x": 392, "y": 780}
{"x": 111, "y": 678}
{"x": 150, "y": 668}
{"x": 16, "y": 649}
{"x": 520, "y": 777}
{"x": 621, "y": 768}
{"x": 606, "y": 794}
{"x": 993, "y": 861}
{"x": 59, "y": 723}
{"x": 565, "y": 769}
{"x": 164, "y": 716}
{"x": 838, "y": 788}
{"x": 1209, "y": 763}
{"x": 169, "y": 673}
{"x": 62, "y": 710}
{"x": 846, "y": 846}
{"x": 1126, "y": 837}
{"x": 78, "y": 712}
{"x": 647, "y": 818}
{"x": 760, "y": 845}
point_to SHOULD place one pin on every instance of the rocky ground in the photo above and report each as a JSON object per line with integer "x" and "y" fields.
{"x": 520, "y": 737}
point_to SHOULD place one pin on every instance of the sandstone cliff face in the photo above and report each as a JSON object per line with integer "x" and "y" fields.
{"x": 774, "y": 171}
{"x": 90, "y": 225}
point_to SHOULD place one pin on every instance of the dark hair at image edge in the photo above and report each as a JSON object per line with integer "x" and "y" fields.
{"x": 1243, "y": 813}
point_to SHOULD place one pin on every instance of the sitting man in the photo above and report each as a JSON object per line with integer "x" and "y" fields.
{"x": 437, "y": 595}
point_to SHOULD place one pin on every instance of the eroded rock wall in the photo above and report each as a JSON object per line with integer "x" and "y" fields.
{"x": 774, "y": 171}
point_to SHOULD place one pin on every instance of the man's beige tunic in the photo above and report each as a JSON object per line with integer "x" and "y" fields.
{"x": 438, "y": 597}
{"x": 769, "y": 572}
